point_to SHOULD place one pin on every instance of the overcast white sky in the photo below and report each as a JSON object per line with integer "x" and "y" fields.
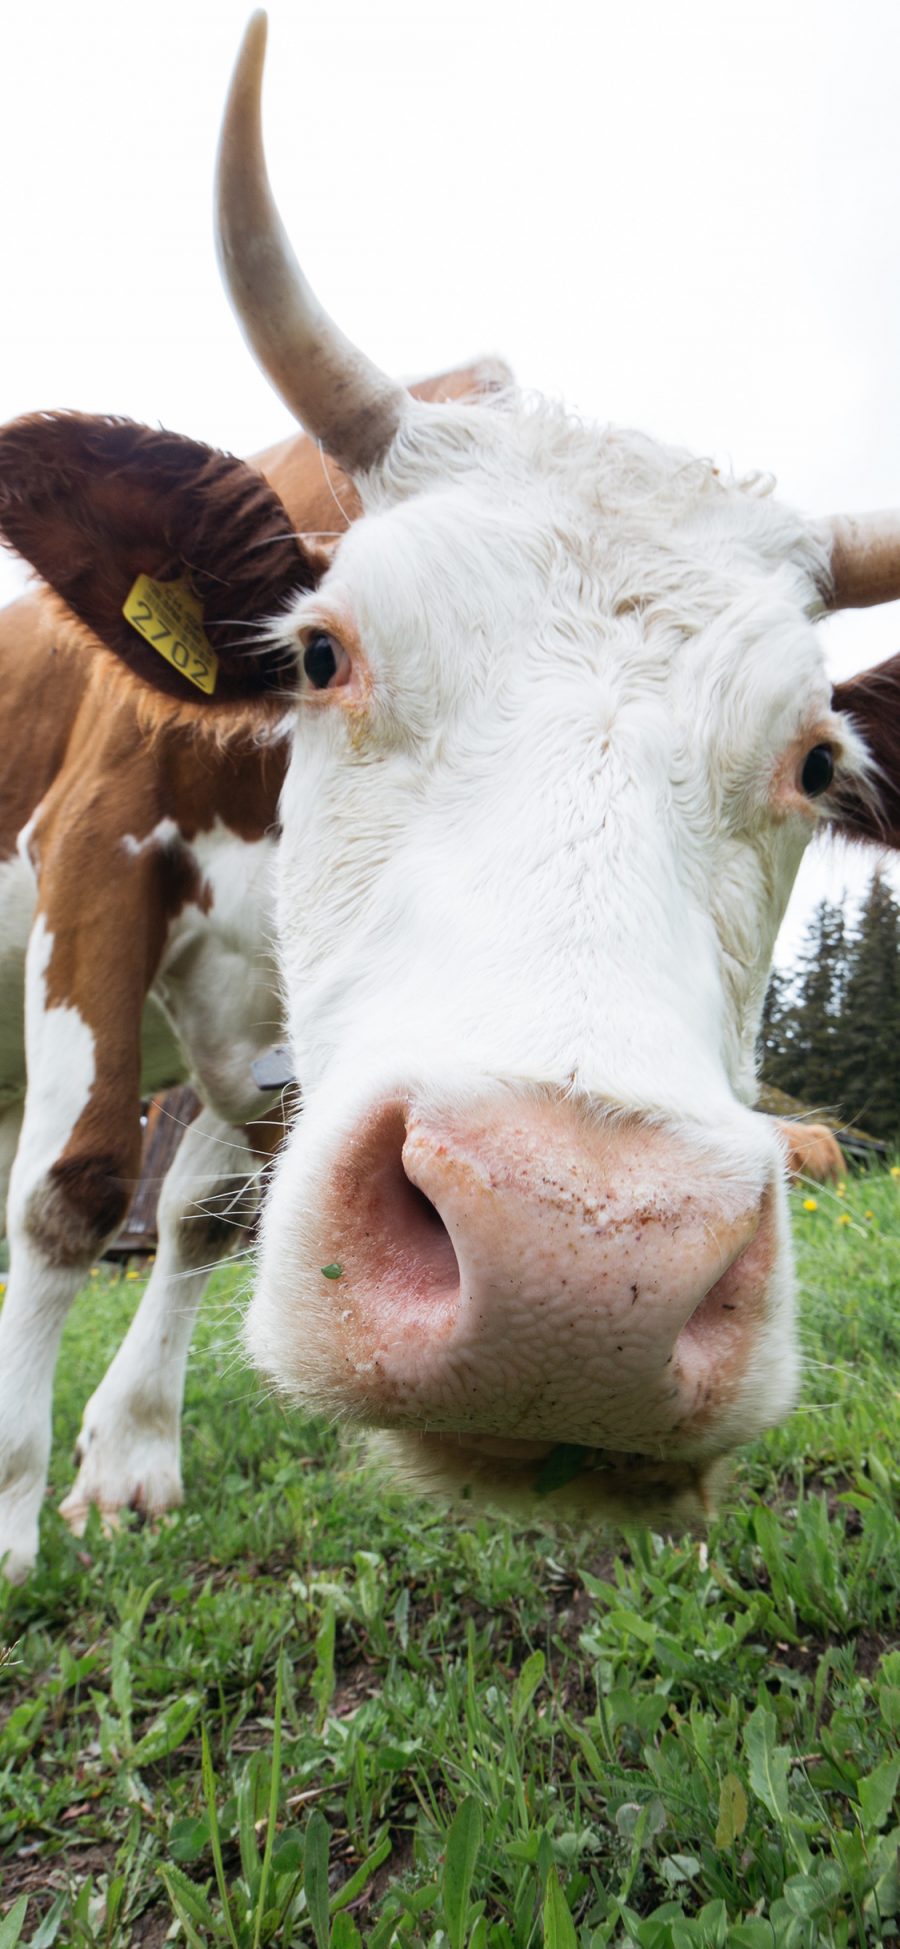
{"x": 680, "y": 214}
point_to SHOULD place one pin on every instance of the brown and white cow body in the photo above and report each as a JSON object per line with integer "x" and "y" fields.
{"x": 137, "y": 841}
{"x": 558, "y": 730}
{"x": 136, "y": 910}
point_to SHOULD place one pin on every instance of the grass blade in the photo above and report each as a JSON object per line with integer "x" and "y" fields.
{"x": 12, "y": 1924}
{"x": 767, "y": 1763}
{"x": 315, "y": 1875}
{"x": 188, "y": 1902}
{"x": 559, "y": 1928}
{"x": 526, "y": 1685}
{"x": 274, "y": 1783}
{"x": 209, "y": 1789}
{"x": 463, "y": 1843}
{"x": 356, "y": 1882}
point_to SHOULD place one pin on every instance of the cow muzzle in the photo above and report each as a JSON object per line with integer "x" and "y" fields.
{"x": 532, "y": 1274}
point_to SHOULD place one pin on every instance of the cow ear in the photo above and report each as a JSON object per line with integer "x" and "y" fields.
{"x": 871, "y": 701}
{"x": 93, "y": 504}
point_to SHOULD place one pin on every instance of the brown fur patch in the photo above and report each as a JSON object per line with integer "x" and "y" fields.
{"x": 872, "y": 701}
{"x": 43, "y": 684}
{"x": 80, "y": 1204}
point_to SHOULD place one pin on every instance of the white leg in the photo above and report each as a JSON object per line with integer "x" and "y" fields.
{"x": 52, "y": 1239}
{"x": 37, "y": 1300}
{"x": 129, "y": 1446}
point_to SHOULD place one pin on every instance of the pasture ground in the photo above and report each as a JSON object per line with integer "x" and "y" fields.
{"x": 303, "y": 1711}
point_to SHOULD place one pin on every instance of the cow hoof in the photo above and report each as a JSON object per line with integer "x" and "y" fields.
{"x": 147, "y": 1482}
{"x": 20, "y": 1507}
{"x": 75, "y": 1513}
{"x": 18, "y": 1552}
{"x": 17, "y": 1565}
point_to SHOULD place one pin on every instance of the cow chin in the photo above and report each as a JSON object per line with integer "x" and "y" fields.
{"x": 562, "y": 1483}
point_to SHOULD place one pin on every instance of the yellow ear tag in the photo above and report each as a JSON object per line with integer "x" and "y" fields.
{"x": 170, "y": 617}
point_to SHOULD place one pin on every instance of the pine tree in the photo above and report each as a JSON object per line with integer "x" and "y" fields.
{"x": 870, "y": 1018}
{"x": 830, "y": 1033}
{"x": 777, "y": 1032}
{"x": 800, "y": 1037}
{"x": 818, "y": 1041}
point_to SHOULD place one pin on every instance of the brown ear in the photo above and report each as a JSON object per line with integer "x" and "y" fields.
{"x": 93, "y": 503}
{"x": 872, "y": 702}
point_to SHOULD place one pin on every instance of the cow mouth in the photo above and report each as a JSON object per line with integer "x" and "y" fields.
{"x": 556, "y": 1479}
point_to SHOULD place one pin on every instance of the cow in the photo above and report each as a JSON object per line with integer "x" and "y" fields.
{"x": 562, "y": 732}
{"x": 555, "y": 731}
{"x": 136, "y": 845}
{"x": 813, "y": 1152}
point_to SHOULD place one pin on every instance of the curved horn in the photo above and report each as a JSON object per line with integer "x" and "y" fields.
{"x": 864, "y": 550}
{"x": 340, "y": 397}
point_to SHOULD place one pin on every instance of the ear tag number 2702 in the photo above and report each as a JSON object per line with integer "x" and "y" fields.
{"x": 169, "y": 617}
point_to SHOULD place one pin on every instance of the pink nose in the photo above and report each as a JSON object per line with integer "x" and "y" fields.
{"x": 534, "y": 1274}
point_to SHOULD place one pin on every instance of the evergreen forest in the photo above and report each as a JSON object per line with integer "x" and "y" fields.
{"x": 831, "y": 1027}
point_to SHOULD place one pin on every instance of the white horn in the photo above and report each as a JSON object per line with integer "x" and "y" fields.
{"x": 340, "y": 397}
{"x": 864, "y": 551}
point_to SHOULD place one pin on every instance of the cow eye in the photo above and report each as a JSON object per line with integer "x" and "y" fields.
{"x": 325, "y": 661}
{"x": 818, "y": 770}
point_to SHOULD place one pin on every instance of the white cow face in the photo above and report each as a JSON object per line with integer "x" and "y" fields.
{"x": 562, "y": 736}
{"x": 563, "y": 733}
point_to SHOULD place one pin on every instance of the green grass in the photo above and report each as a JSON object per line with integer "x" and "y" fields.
{"x": 302, "y": 1711}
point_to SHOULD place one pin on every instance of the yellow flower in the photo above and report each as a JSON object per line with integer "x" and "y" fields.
{"x": 95, "y": 1272}
{"x": 895, "y": 1170}
{"x": 870, "y": 1214}
{"x": 845, "y": 1218}
{"x": 840, "y": 1190}
{"x": 132, "y": 1275}
{"x": 810, "y": 1204}
{"x": 2, "y": 1287}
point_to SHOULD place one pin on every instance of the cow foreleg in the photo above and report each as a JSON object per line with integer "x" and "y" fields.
{"x": 46, "y": 1271}
{"x": 129, "y": 1447}
{"x": 37, "y": 1300}
{"x": 68, "y": 1191}
{"x": 52, "y": 1244}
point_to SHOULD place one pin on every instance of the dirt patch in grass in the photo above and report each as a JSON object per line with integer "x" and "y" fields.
{"x": 41, "y": 1876}
{"x": 151, "y": 1929}
{"x": 357, "y": 1682}
{"x": 869, "y": 1648}
{"x": 400, "y": 1861}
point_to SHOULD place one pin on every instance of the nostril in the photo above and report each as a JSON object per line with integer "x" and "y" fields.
{"x": 723, "y": 1309}
{"x": 427, "y": 1210}
{"x": 420, "y": 1237}
{"x": 407, "y": 1256}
